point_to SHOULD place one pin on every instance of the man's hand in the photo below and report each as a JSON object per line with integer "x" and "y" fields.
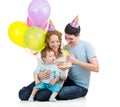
{"x": 72, "y": 58}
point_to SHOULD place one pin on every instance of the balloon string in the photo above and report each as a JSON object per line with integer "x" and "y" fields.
{"x": 31, "y": 52}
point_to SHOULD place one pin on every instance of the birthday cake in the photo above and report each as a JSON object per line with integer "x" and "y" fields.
{"x": 65, "y": 64}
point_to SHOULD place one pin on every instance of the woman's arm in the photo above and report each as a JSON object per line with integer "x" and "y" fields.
{"x": 44, "y": 74}
{"x": 63, "y": 75}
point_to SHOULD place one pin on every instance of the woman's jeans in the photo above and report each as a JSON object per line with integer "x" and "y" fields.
{"x": 69, "y": 91}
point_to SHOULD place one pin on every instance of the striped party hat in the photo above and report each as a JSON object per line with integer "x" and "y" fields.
{"x": 75, "y": 22}
{"x": 51, "y": 26}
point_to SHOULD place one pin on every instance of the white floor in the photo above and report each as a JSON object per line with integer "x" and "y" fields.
{"x": 79, "y": 102}
{"x": 89, "y": 101}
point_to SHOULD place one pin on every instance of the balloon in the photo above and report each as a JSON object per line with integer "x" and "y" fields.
{"x": 16, "y": 32}
{"x": 39, "y": 12}
{"x": 34, "y": 38}
{"x": 29, "y": 22}
{"x": 43, "y": 27}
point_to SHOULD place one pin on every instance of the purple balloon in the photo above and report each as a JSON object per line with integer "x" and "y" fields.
{"x": 39, "y": 12}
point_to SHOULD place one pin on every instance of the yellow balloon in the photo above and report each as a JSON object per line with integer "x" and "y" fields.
{"x": 16, "y": 32}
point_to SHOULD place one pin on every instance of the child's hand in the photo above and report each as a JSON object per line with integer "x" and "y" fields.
{"x": 37, "y": 82}
{"x": 52, "y": 82}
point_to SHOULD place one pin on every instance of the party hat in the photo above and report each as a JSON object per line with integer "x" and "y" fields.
{"x": 75, "y": 22}
{"x": 51, "y": 26}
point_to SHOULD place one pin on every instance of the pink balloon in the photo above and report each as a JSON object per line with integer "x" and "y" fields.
{"x": 29, "y": 22}
{"x": 43, "y": 27}
{"x": 39, "y": 12}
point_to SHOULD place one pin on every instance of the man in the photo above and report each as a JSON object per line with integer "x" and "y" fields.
{"x": 84, "y": 60}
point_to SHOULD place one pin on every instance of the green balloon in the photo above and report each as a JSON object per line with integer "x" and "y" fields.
{"x": 34, "y": 38}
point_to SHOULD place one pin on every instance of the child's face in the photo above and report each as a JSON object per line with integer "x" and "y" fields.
{"x": 50, "y": 57}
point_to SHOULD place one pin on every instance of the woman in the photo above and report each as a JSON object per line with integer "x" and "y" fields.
{"x": 53, "y": 41}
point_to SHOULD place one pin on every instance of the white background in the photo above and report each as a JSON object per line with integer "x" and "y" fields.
{"x": 100, "y": 25}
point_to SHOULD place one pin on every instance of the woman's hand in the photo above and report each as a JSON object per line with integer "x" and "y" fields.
{"x": 44, "y": 74}
{"x": 64, "y": 69}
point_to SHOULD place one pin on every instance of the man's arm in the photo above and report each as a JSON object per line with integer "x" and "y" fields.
{"x": 92, "y": 65}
